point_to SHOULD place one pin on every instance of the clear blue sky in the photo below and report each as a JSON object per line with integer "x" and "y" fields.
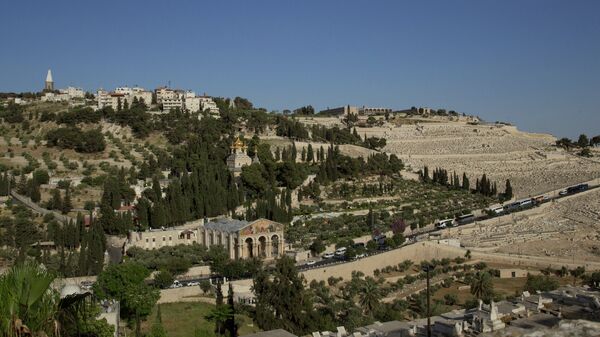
{"x": 535, "y": 63}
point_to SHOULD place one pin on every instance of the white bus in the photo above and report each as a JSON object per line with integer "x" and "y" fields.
{"x": 445, "y": 223}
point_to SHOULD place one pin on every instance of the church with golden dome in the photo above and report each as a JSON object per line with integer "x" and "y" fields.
{"x": 239, "y": 157}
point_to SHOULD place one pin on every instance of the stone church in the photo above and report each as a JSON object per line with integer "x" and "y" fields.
{"x": 239, "y": 157}
{"x": 242, "y": 239}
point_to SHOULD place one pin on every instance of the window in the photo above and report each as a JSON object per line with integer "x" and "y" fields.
{"x": 513, "y": 274}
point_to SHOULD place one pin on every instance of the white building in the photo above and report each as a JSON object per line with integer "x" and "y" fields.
{"x": 73, "y": 92}
{"x": 207, "y": 103}
{"x": 52, "y": 97}
{"x": 110, "y": 99}
{"x": 172, "y": 103}
{"x": 163, "y": 93}
{"x": 122, "y": 95}
{"x": 193, "y": 104}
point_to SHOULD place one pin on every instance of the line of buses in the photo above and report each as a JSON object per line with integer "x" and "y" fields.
{"x": 518, "y": 205}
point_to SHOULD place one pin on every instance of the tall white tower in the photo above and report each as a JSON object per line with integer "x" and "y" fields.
{"x": 49, "y": 85}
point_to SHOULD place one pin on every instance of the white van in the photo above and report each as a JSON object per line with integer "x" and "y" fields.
{"x": 340, "y": 251}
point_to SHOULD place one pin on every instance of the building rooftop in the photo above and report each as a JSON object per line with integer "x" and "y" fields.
{"x": 226, "y": 225}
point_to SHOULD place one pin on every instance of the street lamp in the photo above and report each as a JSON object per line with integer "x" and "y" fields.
{"x": 427, "y": 268}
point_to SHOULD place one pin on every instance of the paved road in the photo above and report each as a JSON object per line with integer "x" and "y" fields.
{"x": 38, "y": 209}
{"x": 412, "y": 238}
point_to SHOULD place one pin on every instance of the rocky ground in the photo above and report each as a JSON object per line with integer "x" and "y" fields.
{"x": 502, "y": 152}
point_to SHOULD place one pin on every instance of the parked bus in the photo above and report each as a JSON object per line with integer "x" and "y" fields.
{"x": 497, "y": 210}
{"x": 444, "y": 223}
{"x": 577, "y": 188}
{"x": 539, "y": 199}
{"x": 465, "y": 219}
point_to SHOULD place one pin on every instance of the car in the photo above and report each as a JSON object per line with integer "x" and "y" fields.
{"x": 193, "y": 283}
{"x": 340, "y": 251}
{"x": 563, "y": 192}
{"x": 176, "y": 284}
{"x": 310, "y": 263}
{"x": 360, "y": 256}
{"x": 328, "y": 255}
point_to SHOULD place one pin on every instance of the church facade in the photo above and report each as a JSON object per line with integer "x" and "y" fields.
{"x": 242, "y": 239}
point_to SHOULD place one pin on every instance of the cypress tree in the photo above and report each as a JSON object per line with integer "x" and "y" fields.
{"x": 156, "y": 189}
{"x": 294, "y": 152}
{"x": 56, "y": 200}
{"x": 34, "y": 191}
{"x": 371, "y": 219}
{"x": 309, "y": 154}
{"x": 508, "y": 192}
{"x": 82, "y": 264}
{"x": 96, "y": 248}
{"x": 143, "y": 213}
{"x": 67, "y": 205}
{"x": 465, "y": 182}
{"x": 159, "y": 217}
{"x": 4, "y": 184}
{"x": 230, "y": 323}
{"x": 277, "y": 154}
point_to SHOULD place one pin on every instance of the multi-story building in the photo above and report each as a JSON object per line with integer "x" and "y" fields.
{"x": 142, "y": 95}
{"x": 110, "y": 99}
{"x": 340, "y": 111}
{"x": 169, "y": 104}
{"x": 193, "y": 104}
{"x": 73, "y": 92}
{"x": 207, "y": 103}
{"x": 122, "y": 95}
{"x": 163, "y": 93}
